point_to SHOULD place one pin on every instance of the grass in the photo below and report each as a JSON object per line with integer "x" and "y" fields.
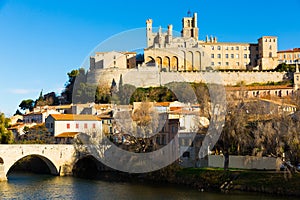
{"x": 272, "y": 182}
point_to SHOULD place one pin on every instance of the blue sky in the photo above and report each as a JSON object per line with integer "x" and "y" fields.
{"x": 42, "y": 40}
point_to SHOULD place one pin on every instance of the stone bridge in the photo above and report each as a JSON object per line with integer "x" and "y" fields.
{"x": 60, "y": 159}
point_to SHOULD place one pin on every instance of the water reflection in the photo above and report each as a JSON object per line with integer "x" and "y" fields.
{"x": 32, "y": 186}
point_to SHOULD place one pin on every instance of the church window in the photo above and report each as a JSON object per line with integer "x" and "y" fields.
{"x": 270, "y": 47}
{"x": 270, "y": 54}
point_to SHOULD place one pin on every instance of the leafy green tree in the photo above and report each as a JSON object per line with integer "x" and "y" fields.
{"x": 103, "y": 94}
{"x": 75, "y": 78}
{"x": 283, "y": 67}
{"x": 18, "y": 112}
{"x": 27, "y": 104}
{"x": 38, "y": 134}
{"x": 6, "y": 136}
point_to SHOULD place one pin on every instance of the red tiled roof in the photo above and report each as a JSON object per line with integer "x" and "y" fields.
{"x": 67, "y": 135}
{"x": 71, "y": 117}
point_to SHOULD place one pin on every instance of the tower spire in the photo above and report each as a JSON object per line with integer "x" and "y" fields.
{"x": 189, "y": 14}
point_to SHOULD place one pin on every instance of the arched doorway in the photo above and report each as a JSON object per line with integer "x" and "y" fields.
{"x": 189, "y": 61}
{"x": 174, "y": 63}
{"x": 197, "y": 61}
{"x": 166, "y": 63}
{"x": 158, "y": 61}
{"x": 150, "y": 61}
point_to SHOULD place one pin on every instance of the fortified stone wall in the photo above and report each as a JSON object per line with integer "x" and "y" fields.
{"x": 146, "y": 77}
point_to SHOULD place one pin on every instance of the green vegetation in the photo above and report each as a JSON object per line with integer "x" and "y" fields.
{"x": 37, "y": 134}
{"x": 285, "y": 68}
{"x": 6, "y": 136}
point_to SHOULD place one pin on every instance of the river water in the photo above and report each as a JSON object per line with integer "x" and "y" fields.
{"x": 33, "y": 186}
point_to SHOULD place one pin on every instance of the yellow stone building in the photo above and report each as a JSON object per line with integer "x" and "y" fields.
{"x": 188, "y": 53}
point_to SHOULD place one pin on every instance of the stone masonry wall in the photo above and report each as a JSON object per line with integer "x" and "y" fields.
{"x": 151, "y": 77}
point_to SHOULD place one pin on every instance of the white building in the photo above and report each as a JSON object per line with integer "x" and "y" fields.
{"x": 65, "y": 124}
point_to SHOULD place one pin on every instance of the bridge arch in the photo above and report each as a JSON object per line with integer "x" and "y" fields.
{"x": 88, "y": 166}
{"x": 51, "y": 166}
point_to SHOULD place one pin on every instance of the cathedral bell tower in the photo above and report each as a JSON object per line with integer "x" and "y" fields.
{"x": 189, "y": 27}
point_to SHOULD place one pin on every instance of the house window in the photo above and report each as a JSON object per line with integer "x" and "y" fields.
{"x": 212, "y": 48}
{"x": 212, "y": 55}
{"x": 226, "y": 55}
{"x": 245, "y": 48}
{"x": 237, "y": 48}
{"x": 219, "y": 55}
{"x": 232, "y": 48}
{"x": 226, "y": 48}
{"x": 68, "y": 126}
{"x": 77, "y": 125}
{"x": 237, "y": 63}
{"x": 94, "y": 125}
{"x": 237, "y": 55}
{"x": 47, "y": 125}
{"x": 219, "y": 47}
{"x": 219, "y": 63}
{"x": 245, "y": 55}
{"x": 232, "y": 55}
{"x": 227, "y": 63}
{"x": 245, "y": 63}
{"x": 212, "y": 64}
{"x": 85, "y": 125}
{"x": 51, "y": 125}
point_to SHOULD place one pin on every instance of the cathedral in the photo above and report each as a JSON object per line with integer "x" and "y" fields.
{"x": 188, "y": 53}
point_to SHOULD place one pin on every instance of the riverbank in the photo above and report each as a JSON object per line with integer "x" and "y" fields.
{"x": 217, "y": 180}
